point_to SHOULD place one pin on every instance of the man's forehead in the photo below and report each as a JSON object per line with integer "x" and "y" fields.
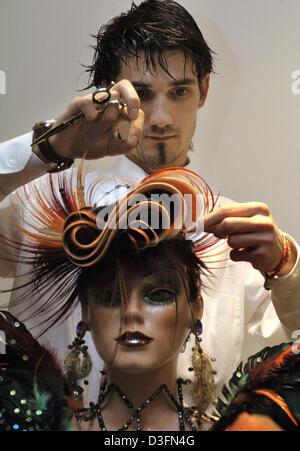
{"x": 142, "y": 71}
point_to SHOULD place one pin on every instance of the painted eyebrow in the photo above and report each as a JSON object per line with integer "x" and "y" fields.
{"x": 180, "y": 82}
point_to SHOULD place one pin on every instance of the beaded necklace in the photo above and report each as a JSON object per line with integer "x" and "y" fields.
{"x": 185, "y": 415}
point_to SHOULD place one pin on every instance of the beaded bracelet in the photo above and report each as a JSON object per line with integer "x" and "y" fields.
{"x": 286, "y": 254}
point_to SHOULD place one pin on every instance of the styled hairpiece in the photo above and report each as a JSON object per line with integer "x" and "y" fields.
{"x": 65, "y": 233}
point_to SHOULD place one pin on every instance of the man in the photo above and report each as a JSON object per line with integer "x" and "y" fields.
{"x": 161, "y": 65}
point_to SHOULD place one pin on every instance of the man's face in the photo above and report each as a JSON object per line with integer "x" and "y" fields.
{"x": 147, "y": 333}
{"x": 170, "y": 106}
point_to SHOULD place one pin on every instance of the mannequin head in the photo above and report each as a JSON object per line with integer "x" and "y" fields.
{"x": 158, "y": 302}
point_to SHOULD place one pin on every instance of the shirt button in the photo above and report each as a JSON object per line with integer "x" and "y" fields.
{"x": 11, "y": 163}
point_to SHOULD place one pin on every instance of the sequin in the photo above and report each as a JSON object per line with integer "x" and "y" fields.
{"x": 12, "y": 392}
{"x": 16, "y": 427}
{"x": 259, "y": 359}
{"x": 17, "y": 410}
{"x": 17, "y": 324}
{"x": 238, "y": 374}
{"x": 23, "y": 401}
{"x": 25, "y": 357}
{"x": 38, "y": 412}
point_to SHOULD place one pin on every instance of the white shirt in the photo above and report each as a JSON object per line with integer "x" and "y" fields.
{"x": 239, "y": 319}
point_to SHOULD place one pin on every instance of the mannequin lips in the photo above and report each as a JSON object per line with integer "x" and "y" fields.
{"x": 133, "y": 339}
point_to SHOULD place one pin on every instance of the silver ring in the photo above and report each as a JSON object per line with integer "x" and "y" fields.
{"x": 103, "y": 101}
{"x": 103, "y": 90}
{"x": 117, "y": 102}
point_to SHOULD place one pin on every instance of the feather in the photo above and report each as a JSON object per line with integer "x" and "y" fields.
{"x": 269, "y": 383}
{"x": 22, "y": 349}
{"x": 32, "y": 387}
{"x": 62, "y": 237}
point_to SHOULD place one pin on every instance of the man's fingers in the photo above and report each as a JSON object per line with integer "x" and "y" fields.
{"x": 249, "y": 240}
{"x": 250, "y": 255}
{"x": 244, "y": 210}
{"x": 128, "y": 95}
{"x": 237, "y": 225}
{"x": 87, "y": 106}
{"x": 110, "y": 115}
{"x": 136, "y": 130}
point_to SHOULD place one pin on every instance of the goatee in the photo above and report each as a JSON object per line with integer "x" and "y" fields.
{"x": 162, "y": 154}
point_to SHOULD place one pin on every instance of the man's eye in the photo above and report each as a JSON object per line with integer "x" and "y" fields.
{"x": 144, "y": 94}
{"x": 180, "y": 92}
{"x": 160, "y": 296}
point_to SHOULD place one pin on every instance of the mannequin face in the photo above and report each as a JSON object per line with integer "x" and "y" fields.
{"x": 147, "y": 333}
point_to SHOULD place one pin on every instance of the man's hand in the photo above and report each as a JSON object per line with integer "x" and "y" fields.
{"x": 94, "y": 136}
{"x": 253, "y": 235}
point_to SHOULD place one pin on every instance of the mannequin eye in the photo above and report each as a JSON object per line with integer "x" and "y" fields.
{"x": 160, "y": 296}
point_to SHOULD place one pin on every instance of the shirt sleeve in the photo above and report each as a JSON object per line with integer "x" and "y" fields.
{"x": 18, "y": 165}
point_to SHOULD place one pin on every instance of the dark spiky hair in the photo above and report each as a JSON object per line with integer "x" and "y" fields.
{"x": 153, "y": 27}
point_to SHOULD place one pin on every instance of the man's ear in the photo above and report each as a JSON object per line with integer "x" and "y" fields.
{"x": 203, "y": 87}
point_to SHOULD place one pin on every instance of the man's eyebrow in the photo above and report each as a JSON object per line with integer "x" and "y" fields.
{"x": 180, "y": 82}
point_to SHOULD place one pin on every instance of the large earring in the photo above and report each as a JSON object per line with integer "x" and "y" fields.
{"x": 78, "y": 363}
{"x": 188, "y": 338}
{"x": 204, "y": 389}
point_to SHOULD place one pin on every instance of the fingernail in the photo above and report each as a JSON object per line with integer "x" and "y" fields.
{"x": 133, "y": 140}
{"x": 134, "y": 113}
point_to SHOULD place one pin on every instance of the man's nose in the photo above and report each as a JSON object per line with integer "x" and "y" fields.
{"x": 161, "y": 115}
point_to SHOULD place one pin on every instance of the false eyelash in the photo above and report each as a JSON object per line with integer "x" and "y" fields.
{"x": 162, "y": 288}
{"x": 170, "y": 296}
